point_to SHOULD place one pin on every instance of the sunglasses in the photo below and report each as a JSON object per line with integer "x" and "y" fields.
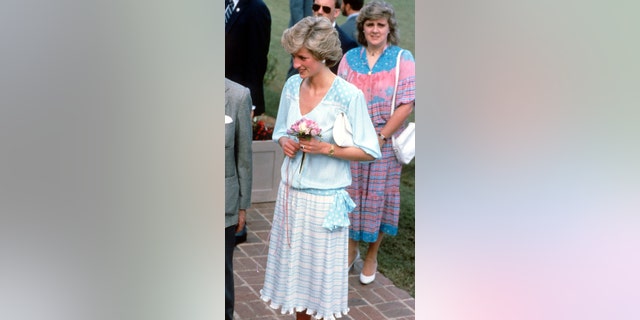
{"x": 316, "y": 7}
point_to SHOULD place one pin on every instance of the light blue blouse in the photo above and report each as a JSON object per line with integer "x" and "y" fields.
{"x": 320, "y": 171}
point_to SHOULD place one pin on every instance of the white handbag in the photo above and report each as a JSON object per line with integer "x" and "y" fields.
{"x": 342, "y": 132}
{"x": 404, "y": 145}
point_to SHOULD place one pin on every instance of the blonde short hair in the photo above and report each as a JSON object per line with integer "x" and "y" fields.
{"x": 317, "y": 35}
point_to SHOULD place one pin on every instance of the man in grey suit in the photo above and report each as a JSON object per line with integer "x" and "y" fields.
{"x": 238, "y": 137}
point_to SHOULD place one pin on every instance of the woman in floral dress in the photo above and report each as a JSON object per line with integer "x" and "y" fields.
{"x": 376, "y": 186}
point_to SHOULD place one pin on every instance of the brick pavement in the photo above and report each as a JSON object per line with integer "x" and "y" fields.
{"x": 375, "y": 301}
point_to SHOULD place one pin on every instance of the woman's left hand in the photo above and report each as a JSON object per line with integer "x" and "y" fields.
{"x": 312, "y": 145}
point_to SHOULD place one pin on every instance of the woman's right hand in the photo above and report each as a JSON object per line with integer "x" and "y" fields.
{"x": 289, "y": 146}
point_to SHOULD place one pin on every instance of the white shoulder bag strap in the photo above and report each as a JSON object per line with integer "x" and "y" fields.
{"x": 405, "y": 151}
{"x": 395, "y": 88}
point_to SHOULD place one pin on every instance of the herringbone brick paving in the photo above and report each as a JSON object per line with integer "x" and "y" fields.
{"x": 380, "y": 300}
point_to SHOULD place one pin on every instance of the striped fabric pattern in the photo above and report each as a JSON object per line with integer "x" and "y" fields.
{"x": 307, "y": 264}
{"x": 376, "y": 191}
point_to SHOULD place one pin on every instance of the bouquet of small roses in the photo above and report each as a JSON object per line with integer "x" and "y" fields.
{"x": 304, "y": 129}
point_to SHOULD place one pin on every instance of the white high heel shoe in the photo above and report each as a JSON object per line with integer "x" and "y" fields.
{"x": 354, "y": 260}
{"x": 368, "y": 279}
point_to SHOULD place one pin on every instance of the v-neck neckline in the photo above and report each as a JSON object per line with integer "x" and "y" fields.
{"x": 319, "y": 102}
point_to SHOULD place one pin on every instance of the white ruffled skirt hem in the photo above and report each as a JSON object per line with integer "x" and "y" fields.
{"x": 313, "y": 313}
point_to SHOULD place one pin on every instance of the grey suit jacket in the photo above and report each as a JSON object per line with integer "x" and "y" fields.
{"x": 238, "y": 138}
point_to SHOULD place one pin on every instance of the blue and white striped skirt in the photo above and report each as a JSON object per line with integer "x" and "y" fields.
{"x": 307, "y": 263}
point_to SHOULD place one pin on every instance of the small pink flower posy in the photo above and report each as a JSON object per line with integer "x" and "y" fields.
{"x": 304, "y": 129}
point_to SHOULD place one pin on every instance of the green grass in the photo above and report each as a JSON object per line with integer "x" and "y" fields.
{"x": 396, "y": 259}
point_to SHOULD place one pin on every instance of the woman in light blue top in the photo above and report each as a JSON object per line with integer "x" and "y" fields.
{"x": 307, "y": 268}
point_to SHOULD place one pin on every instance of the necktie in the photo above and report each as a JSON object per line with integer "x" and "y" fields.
{"x": 228, "y": 10}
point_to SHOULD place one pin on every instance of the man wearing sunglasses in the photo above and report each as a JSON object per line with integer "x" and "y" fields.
{"x": 330, "y": 9}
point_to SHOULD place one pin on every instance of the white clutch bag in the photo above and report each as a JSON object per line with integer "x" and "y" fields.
{"x": 342, "y": 133}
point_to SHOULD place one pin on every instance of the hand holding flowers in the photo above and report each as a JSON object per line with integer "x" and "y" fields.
{"x": 304, "y": 129}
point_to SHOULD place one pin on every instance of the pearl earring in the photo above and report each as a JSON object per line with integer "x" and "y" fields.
{"x": 324, "y": 61}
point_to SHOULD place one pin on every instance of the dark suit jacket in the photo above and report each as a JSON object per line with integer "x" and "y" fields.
{"x": 346, "y": 43}
{"x": 238, "y": 141}
{"x": 349, "y": 26}
{"x": 247, "y": 38}
{"x": 299, "y": 9}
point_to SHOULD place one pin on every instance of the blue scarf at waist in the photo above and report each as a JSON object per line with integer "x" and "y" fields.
{"x": 338, "y": 215}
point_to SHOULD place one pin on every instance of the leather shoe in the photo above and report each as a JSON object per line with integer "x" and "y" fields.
{"x": 368, "y": 279}
{"x": 241, "y": 236}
